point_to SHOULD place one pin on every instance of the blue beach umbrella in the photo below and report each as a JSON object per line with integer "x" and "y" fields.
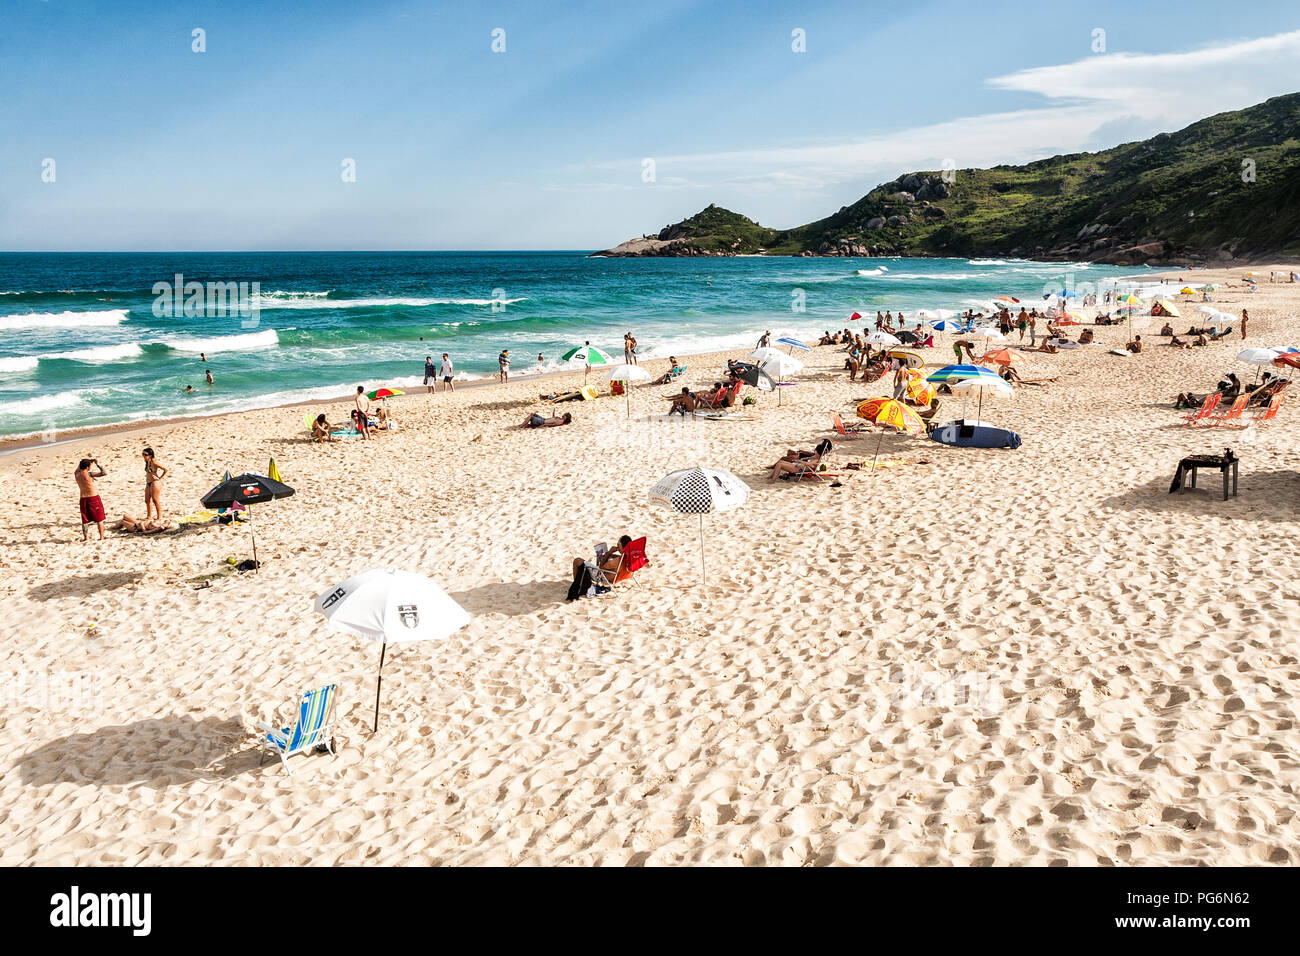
{"x": 793, "y": 343}
{"x": 948, "y": 325}
{"x": 958, "y": 373}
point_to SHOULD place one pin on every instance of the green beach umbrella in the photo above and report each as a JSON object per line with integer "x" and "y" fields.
{"x": 588, "y": 355}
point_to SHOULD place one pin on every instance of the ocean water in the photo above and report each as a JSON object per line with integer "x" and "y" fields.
{"x": 82, "y": 340}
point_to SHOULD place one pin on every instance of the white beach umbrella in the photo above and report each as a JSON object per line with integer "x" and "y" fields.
{"x": 775, "y": 355}
{"x": 627, "y": 374}
{"x": 1218, "y": 318}
{"x": 1257, "y": 356}
{"x": 983, "y": 388}
{"x": 699, "y": 491}
{"x": 993, "y": 335}
{"x": 1207, "y": 309}
{"x": 778, "y": 368}
{"x": 390, "y": 606}
{"x": 882, "y": 338}
{"x": 793, "y": 343}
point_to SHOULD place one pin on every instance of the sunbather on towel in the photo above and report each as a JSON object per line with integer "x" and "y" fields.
{"x": 136, "y": 526}
{"x": 562, "y": 397}
{"x": 540, "y": 421}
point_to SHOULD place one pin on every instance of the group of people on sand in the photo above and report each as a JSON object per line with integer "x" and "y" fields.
{"x": 91, "y": 506}
{"x": 1230, "y": 388}
{"x": 364, "y": 419}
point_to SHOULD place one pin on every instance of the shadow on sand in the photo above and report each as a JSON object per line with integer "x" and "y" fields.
{"x": 512, "y": 598}
{"x": 1262, "y": 496}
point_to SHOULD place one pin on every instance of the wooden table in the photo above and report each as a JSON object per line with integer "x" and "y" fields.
{"x": 1226, "y": 466}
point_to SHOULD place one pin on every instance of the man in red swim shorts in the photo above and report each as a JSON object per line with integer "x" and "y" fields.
{"x": 92, "y": 508}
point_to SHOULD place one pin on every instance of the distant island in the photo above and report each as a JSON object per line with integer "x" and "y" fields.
{"x": 1226, "y": 188}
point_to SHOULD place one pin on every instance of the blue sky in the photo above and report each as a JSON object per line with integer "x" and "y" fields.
{"x": 157, "y": 147}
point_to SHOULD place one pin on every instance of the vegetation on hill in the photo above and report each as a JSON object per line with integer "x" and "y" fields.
{"x": 1226, "y": 186}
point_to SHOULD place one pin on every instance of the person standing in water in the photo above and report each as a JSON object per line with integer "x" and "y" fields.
{"x": 154, "y": 473}
{"x": 90, "y": 505}
{"x": 207, "y": 373}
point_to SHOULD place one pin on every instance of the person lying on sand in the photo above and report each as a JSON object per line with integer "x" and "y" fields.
{"x": 539, "y": 421}
{"x": 1177, "y": 343}
{"x": 1047, "y": 346}
{"x": 136, "y": 526}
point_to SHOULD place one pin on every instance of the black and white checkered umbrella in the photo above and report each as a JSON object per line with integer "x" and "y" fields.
{"x": 699, "y": 491}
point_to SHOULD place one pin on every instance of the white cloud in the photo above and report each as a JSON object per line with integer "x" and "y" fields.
{"x": 1097, "y": 102}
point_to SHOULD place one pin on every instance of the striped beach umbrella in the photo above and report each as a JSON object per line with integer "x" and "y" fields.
{"x": 699, "y": 491}
{"x": 381, "y": 393}
{"x": 1003, "y": 357}
{"x": 588, "y": 355}
{"x": 793, "y": 343}
{"x": 955, "y": 373}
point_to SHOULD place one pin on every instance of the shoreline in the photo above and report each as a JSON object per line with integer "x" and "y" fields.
{"x": 73, "y": 436}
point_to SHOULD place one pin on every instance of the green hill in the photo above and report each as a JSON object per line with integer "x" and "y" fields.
{"x": 1175, "y": 198}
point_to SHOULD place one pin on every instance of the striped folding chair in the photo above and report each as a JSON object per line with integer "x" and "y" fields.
{"x": 312, "y": 729}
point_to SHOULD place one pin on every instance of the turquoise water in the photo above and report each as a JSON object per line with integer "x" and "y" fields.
{"x": 81, "y": 342}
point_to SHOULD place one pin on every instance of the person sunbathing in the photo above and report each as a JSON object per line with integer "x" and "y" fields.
{"x": 796, "y": 462}
{"x": 320, "y": 430}
{"x": 1177, "y": 343}
{"x": 1085, "y": 337}
{"x": 1167, "y": 329}
{"x": 1047, "y": 346}
{"x": 683, "y": 402}
{"x": 147, "y": 526}
{"x": 1201, "y": 339}
{"x": 1264, "y": 394}
{"x": 583, "y": 578}
{"x": 671, "y": 374}
{"x": 539, "y": 421}
{"x": 575, "y": 396}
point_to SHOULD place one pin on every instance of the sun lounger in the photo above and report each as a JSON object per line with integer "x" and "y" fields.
{"x": 1202, "y": 415}
{"x": 1232, "y": 414}
{"x": 312, "y": 728}
{"x": 849, "y": 432}
{"x": 1271, "y": 412}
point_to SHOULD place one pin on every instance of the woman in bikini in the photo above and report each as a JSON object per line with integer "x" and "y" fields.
{"x": 154, "y": 473}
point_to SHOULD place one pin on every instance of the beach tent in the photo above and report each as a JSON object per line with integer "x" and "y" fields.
{"x": 1165, "y": 307}
{"x": 390, "y": 606}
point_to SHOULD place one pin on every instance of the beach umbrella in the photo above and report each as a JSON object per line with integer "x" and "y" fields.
{"x": 881, "y": 338}
{"x": 1218, "y": 318}
{"x": 956, "y": 373}
{"x": 778, "y": 368}
{"x": 1212, "y": 287}
{"x": 1187, "y": 290}
{"x": 589, "y": 355}
{"x": 1257, "y": 356}
{"x": 1207, "y": 309}
{"x": 794, "y": 343}
{"x": 627, "y": 374}
{"x": 390, "y": 606}
{"x": 243, "y": 490}
{"x": 997, "y": 388}
{"x": 776, "y": 355}
{"x": 382, "y": 393}
{"x": 273, "y": 472}
{"x": 855, "y": 316}
{"x": 887, "y": 413}
{"x": 920, "y": 391}
{"x": 993, "y": 335}
{"x": 699, "y": 491}
{"x": 1004, "y": 357}
{"x": 1007, "y": 299}
{"x": 754, "y": 376}
{"x": 947, "y": 325}
{"x": 1288, "y": 360}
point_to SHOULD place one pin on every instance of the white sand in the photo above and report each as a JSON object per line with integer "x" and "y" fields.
{"x": 973, "y": 657}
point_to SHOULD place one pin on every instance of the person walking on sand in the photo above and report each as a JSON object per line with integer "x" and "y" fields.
{"x": 430, "y": 375}
{"x": 154, "y": 473}
{"x": 1245, "y": 317}
{"x": 503, "y": 366}
{"x": 91, "y": 507}
{"x": 448, "y": 373}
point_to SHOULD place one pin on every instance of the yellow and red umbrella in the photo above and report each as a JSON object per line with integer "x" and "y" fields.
{"x": 889, "y": 413}
{"x": 381, "y": 393}
{"x": 920, "y": 391}
{"x": 1007, "y": 298}
{"x": 1003, "y": 357}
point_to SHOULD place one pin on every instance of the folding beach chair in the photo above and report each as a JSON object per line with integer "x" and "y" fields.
{"x": 1233, "y": 413}
{"x": 1202, "y": 415}
{"x": 848, "y": 432}
{"x": 1270, "y": 413}
{"x": 312, "y": 729}
{"x": 632, "y": 560}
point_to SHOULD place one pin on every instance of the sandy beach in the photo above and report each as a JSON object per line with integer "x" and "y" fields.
{"x": 965, "y": 657}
